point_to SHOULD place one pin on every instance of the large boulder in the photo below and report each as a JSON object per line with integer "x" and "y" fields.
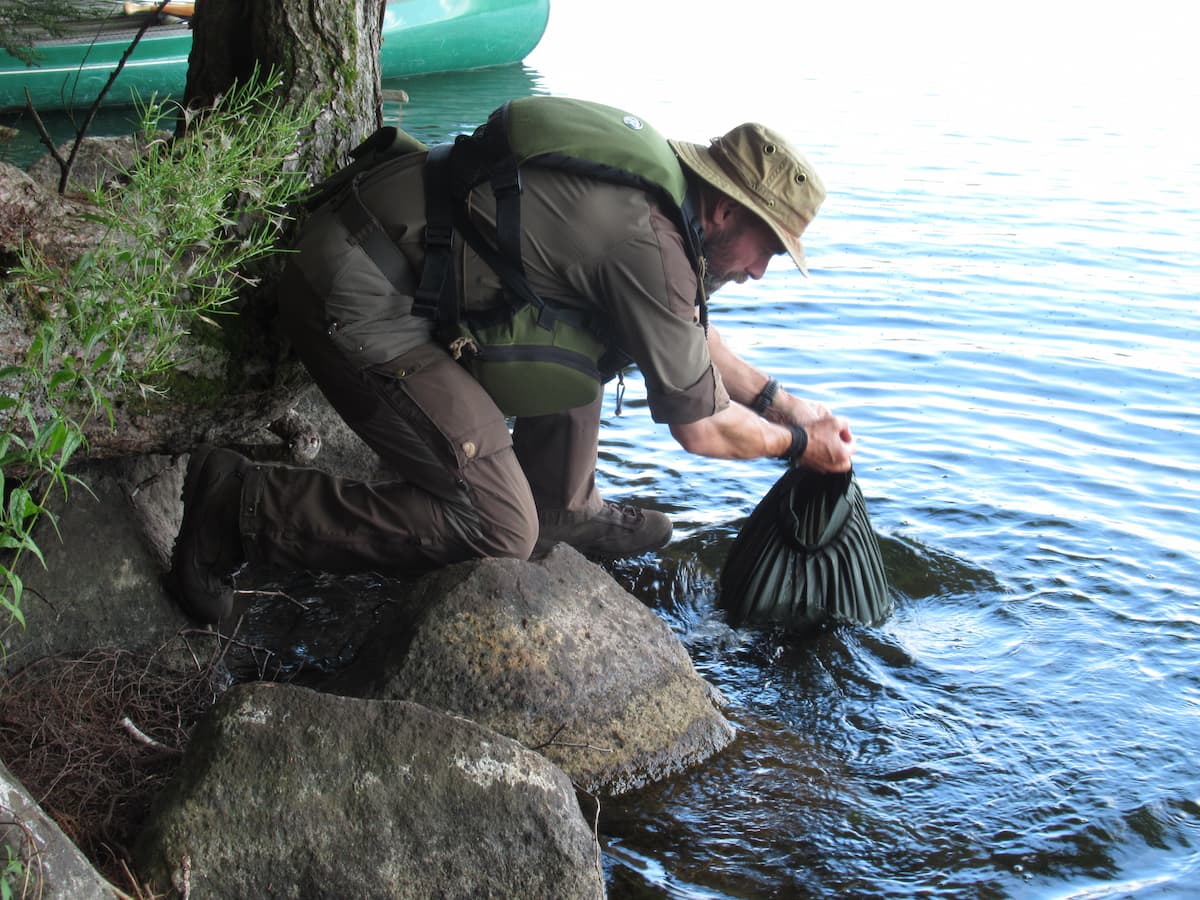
{"x": 107, "y": 541}
{"x": 289, "y": 793}
{"x": 556, "y": 655}
{"x": 105, "y": 546}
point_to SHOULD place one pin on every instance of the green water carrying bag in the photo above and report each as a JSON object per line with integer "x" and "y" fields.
{"x": 807, "y": 556}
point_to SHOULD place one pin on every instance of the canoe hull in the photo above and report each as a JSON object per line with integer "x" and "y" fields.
{"x": 69, "y": 74}
{"x": 420, "y": 37}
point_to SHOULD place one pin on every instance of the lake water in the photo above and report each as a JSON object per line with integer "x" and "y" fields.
{"x": 1004, "y": 301}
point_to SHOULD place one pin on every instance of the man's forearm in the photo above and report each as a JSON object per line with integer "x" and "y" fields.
{"x": 743, "y": 381}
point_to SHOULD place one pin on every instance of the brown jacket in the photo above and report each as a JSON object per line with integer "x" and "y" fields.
{"x": 585, "y": 244}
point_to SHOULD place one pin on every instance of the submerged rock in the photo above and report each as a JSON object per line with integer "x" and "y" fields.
{"x": 287, "y": 792}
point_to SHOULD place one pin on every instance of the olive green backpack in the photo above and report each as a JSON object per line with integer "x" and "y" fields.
{"x": 533, "y": 356}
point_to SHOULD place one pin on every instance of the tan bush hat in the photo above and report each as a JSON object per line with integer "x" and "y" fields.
{"x": 759, "y": 169}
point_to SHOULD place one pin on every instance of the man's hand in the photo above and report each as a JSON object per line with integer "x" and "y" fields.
{"x": 737, "y": 433}
{"x": 790, "y": 410}
{"x": 831, "y": 444}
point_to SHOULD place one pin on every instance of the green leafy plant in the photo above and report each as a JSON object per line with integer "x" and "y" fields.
{"x": 14, "y": 875}
{"x": 179, "y": 235}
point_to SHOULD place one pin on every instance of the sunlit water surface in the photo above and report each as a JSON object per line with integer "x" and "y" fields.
{"x": 1003, "y": 299}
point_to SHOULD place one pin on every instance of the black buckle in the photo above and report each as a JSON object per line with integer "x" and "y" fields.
{"x": 506, "y": 181}
{"x": 438, "y": 235}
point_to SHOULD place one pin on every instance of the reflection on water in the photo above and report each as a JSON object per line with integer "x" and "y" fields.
{"x": 25, "y": 146}
{"x": 1023, "y": 725}
{"x": 972, "y": 746}
{"x": 439, "y": 107}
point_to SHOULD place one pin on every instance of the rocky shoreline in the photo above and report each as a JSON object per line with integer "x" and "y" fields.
{"x": 458, "y": 749}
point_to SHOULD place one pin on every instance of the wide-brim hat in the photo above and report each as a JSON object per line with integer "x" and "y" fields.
{"x": 806, "y": 557}
{"x": 760, "y": 170}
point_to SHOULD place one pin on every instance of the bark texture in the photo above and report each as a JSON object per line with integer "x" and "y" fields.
{"x": 327, "y": 51}
{"x": 239, "y": 376}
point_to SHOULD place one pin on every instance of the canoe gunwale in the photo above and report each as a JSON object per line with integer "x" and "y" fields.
{"x": 478, "y": 34}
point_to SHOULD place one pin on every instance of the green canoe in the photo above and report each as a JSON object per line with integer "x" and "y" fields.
{"x": 419, "y": 37}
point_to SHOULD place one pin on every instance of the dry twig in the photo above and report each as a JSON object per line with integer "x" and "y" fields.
{"x": 64, "y": 737}
{"x": 555, "y": 742}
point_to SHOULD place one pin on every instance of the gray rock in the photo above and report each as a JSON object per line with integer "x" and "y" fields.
{"x": 555, "y": 655}
{"x": 104, "y": 554}
{"x": 342, "y": 451}
{"x": 53, "y": 866}
{"x": 289, "y": 793}
{"x": 98, "y": 160}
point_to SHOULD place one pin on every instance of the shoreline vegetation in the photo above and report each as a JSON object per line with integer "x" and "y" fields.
{"x": 167, "y": 245}
{"x": 172, "y": 240}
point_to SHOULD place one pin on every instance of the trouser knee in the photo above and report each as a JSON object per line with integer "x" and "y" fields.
{"x": 499, "y": 524}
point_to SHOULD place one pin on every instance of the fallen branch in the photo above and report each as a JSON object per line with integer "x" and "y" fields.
{"x": 246, "y": 592}
{"x": 595, "y": 828}
{"x": 141, "y": 737}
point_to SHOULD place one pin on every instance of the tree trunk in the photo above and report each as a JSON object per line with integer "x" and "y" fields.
{"x": 239, "y": 377}
{"x": 326, "y": 50}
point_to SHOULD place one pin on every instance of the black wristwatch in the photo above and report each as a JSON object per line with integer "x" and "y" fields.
{"x": 765, "y": 397}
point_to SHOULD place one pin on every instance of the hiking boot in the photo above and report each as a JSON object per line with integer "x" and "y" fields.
{"x": 614, "y": 531}
{"x": 208, "y": 549}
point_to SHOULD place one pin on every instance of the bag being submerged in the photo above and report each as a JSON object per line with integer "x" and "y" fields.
{"x": 807, "y": 556}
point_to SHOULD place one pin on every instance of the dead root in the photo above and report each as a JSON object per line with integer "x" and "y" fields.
{"x": 94, "y": 736}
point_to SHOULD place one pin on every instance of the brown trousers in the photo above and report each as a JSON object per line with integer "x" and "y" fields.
{"x": 468, "y": 488}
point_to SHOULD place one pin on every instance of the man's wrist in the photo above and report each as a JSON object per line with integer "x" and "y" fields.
{"x": 765, "y": 397}
{"x": 799, "y": 443}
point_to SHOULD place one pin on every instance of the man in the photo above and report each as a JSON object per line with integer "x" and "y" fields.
{"x": 469, "y": 487}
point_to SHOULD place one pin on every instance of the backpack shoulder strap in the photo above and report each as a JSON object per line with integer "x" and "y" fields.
{"x": 437, "y": 294}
